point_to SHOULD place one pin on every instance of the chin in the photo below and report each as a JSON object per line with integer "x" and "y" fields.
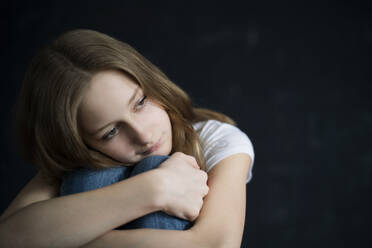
{"x": 164, "y": 151}
{"x": 168, "y": 148}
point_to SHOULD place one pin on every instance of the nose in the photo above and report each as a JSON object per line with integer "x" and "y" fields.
{"x": 141, "y": 134}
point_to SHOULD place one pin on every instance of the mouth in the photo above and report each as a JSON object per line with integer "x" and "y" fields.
{"x": 153, "y": 148}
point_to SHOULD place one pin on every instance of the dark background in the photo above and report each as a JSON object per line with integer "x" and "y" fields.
{"x": 295, "y": 77}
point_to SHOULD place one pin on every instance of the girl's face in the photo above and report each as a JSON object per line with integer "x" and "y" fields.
{"x": 119, "y": 121}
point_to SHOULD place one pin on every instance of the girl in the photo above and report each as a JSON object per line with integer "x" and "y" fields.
{"x": 92, "y": 105}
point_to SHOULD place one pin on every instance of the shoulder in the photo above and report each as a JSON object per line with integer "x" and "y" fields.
{"x": 220, "y": 140}
{"x": 37, "y": 189}
{"x": 213, "y": 127}
{"x": 216, "y": 133}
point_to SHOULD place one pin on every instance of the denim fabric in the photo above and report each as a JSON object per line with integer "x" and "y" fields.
{"x": 85, "y": 179}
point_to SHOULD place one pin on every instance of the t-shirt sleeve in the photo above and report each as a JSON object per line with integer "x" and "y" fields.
{"x": 220, "y": 140}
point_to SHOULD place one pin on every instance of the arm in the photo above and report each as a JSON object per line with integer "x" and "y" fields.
{"x": 222, "y": 219}
{"x": 220, "y": 223}
{"x": 35, "y": 190}
{"x": 33, "y": 219}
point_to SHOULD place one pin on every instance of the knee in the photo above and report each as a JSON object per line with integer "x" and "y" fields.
{"x": 158, "y": 220}
{"x": 148, "y": 163}
{"x": 85, "y": 179}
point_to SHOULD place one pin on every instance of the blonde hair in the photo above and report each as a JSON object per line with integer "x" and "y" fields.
{"x": 53, "y": 87}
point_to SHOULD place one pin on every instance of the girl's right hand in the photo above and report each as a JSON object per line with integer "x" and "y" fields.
{"x": 183, "y": 186}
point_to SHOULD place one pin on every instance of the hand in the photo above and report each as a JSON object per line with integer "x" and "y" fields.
{"x": 184, "y": 186}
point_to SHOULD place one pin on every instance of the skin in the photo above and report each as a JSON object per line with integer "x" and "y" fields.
{"x": 126, "y": 133}
{"x": 219, "y": 224}
{"x": 103, "y": 102}
{"x": 128, "y": 123}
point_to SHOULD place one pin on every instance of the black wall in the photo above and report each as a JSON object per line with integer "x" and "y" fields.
{"x": 295, "y": 77}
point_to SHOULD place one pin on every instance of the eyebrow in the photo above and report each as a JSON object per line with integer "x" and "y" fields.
{"x": 129, "y": 103}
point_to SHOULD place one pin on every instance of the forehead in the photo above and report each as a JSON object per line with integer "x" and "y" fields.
{"x": 107, "y": 82}
{"x": 106, "y": 98}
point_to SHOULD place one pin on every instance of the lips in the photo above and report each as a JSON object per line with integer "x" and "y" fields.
{"x": 153, "y": 148}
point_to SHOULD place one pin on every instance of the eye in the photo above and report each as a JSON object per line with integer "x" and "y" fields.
{"x": 141, "y": 103}
{"x": 111, "y": 133}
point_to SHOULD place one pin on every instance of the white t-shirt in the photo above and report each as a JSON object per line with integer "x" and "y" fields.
{"x": 220, "y": 140}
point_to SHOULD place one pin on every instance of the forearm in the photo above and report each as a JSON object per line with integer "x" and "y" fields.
{"x": 223, "y": 214}
{"x": 148, "y": 238}
{"x": 74, "y": 220}
{"x": 206, "y": 233}
{"x": 219, "y": 225}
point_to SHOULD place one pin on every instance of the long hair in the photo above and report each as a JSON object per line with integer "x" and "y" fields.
{"x": 52, "y": 90}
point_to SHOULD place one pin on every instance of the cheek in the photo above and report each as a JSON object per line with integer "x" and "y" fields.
{"x": 164, "y": 120}
{"x": 161, "y": 121}
{"x": 157, "y": 115}
{"x": 167, "y": 126}
{"x": 118, "y": 149}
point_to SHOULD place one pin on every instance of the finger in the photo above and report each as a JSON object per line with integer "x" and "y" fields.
{"x": 206, "y": 190}
{"x": 205, "y": 176}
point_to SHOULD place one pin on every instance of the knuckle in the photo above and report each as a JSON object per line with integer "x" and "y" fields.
{"x": 177, "y": 154}
{"x": 193, "y": 161}
{"x": 195, "y": 213}
{"x": 189, "y": 216}
{"x": 206, "y": 190}
{"x": 189, "y": 157}
{"x": 205, "y": 175}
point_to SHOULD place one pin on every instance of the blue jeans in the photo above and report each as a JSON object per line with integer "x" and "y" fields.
{"x": 85, "y": 179}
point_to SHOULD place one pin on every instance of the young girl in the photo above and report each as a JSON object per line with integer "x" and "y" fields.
{"x": 92, "y": 111}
